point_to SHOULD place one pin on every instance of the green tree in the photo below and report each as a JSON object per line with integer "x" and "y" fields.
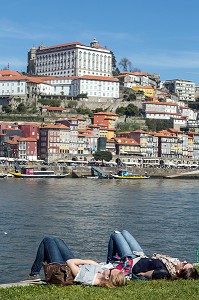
{"x": 116, "y": 72}
{"x": 103, "y": 155}
{"x": 50, "y": 102}
{"x": 21, "y": 108}
{"x": 114, "y": 61}
{"x": 72, "y": 104}
{"x": 84, "y": 111}
{"x": 127, "y": 126}
{"x": 131, "y": 97}
{"x": 98, "y": 109}
{"x": 6, "y": 108}
{"x": 121, "y": 111}
{"x": 132, "y": 110}
{"x": 158, "y": 125}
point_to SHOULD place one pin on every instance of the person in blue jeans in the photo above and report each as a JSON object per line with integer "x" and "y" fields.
{"x": 87, "y": 271}
{"x": 158, "y": 266}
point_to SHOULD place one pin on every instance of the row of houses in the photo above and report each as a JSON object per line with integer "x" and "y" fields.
{"x": 77, "y": 137}
{"x": 153, "y": 87}
{"x": 14, "y": 84}
{"x": 178, "y": 112}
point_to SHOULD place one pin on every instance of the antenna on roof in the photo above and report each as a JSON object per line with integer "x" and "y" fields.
{"x": 8, "y": 66}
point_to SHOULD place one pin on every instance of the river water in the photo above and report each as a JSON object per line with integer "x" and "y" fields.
{"x": 162, "y": 214}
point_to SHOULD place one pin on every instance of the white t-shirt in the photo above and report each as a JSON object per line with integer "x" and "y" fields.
{"x": 88, "y": 273}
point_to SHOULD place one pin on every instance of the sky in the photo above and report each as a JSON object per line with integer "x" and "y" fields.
{"x": 156, "y": 36}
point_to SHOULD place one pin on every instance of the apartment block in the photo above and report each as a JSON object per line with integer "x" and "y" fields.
{"x": 185, "y": 89}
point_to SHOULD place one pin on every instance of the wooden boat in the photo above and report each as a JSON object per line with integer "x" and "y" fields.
{"x": 126, "y": 175}
{"x": 31, "y": 173}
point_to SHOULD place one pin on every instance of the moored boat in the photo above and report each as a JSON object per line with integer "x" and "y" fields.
{"x": 3, "y": 175}
{"x": 127, "y": 175}
{"x": 31, "y": 173}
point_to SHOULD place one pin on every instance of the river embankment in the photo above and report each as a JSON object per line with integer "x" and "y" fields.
{"x": 152, "y": 172}
{"x": 84, "y": 171}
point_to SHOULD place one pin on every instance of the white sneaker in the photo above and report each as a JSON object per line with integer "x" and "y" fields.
{"x": 116, "y": 231}
{"x": 33, "y": 278}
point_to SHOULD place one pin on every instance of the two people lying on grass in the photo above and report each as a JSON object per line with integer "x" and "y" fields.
{"x": 125, "y": 258}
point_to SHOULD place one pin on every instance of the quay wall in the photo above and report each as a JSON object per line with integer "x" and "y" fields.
{"x": 153, "y": 172}
{"x": 83, "y": 171}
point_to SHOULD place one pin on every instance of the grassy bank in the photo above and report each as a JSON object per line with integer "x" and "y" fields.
{"x": 142, "y": 290}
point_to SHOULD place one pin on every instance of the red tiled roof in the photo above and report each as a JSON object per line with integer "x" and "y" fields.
{"x": 54, "y": 126}
{"x": 11, "y": 142}
{"x": 161, "y": 113}
{"x": 9, "y": 73}
{"x": 161, "y": 103}
{"x": 52, "y": 107}
{"x": 62, "y": 45}
{"x": 105, "y": 113}
{"x": 135, "y": 73}
{"x": 13, "y": 78}
{"x": 126, "y": 141}
{"x": 144, "y": 87}
{"x": 28, "y": 139}
{"x": 100, "y": 47}
{"x": 139, "y": 131}
{"x": 101, "y": 78}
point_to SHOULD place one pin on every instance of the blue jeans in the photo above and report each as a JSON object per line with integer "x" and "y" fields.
{"x": 123, "y": 244}
{"x": 50, "y": 250}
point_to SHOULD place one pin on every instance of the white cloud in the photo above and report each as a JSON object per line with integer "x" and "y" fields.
{"x": 9, "y": 29}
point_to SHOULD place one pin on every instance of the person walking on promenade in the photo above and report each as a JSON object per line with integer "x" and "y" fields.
{"x": 132, "y": 257}
{"x": 87, "y": 271}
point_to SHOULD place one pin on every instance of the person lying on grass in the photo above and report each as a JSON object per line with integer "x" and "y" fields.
{"x": 86, "y": 272}
{"x": 131, "y": 257}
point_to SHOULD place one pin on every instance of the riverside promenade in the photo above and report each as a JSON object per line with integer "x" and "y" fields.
{"x": 84, "y": 171}
{"x": 22, "y": 283}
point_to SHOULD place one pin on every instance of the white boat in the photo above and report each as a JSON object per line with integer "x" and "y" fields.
{"x": 3, "y": 175}
{"x": 27, "y": 172}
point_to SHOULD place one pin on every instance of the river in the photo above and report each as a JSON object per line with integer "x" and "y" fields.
{"x": 162, "y": 214}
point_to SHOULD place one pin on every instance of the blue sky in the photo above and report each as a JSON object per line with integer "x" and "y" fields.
{"x": 156, "y": 36}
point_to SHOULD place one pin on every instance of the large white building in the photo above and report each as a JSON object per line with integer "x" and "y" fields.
{"x": 72, "y": 59}
{"x": 23, "y": 86}
{"x": 95, "y": 87}
{"x": 185, "y": 89}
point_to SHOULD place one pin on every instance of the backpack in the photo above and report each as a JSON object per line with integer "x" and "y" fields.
{"x": 59, "y": 274}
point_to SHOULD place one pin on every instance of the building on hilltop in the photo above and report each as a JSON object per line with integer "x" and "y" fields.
{"x": 185, "y": 89}
{"x": 71, "y": 59}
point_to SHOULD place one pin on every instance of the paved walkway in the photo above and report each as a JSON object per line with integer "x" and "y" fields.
{"x": 21, "y": 283}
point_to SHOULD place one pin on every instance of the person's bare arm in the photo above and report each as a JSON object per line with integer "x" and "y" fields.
{"x": 147, "y": 274}
{"x": 75, "y": 262}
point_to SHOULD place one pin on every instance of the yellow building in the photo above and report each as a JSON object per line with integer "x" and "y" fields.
{"x": 147, "y": 90}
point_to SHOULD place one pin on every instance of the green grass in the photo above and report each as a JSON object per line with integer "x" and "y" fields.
{"x": 135, "y": 290}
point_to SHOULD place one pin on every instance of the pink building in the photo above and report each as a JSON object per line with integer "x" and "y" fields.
{"x": 27, "y": 148}
{"x": 30, "y": 130}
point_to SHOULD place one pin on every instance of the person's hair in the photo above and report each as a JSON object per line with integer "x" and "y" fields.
{"x": 190, "y": 273}
{"x": 114, "y": 281}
